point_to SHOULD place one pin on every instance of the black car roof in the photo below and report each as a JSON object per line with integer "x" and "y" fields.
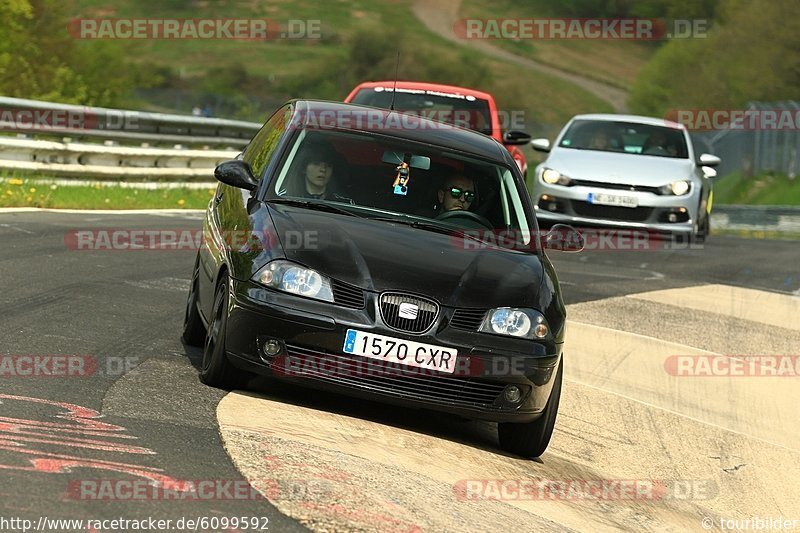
{"x": 353, "y": 117}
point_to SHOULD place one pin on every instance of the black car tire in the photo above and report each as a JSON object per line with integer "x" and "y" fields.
{"x": 531, "y": 439}
{"x": 194, "y": 332}
{"x": 216, "y": 370}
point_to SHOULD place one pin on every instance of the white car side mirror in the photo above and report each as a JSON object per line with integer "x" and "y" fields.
{"x": 708, "y": 160}
{"x": 541, "y": 145}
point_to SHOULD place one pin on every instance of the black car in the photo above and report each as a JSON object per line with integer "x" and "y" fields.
{"x": 383, "y": 256}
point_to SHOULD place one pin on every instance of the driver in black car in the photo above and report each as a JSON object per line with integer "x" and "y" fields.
{"x": 457, "y": 192}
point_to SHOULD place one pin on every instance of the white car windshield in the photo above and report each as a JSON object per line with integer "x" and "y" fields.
{"x": 625, "y": 137}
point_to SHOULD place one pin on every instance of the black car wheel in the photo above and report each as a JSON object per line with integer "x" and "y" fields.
{"x": 531, "y": 439}
{"x": 216, "y": 370}
{"x": 194, "y": 332}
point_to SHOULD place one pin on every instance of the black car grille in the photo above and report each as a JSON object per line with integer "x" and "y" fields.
{"x": 467, "y": 318}
{"x": 616, "y": 186}
{"x": 366, "y": 374}
{"x": 628, "y": 214}
{"x": 347, "y": 295}
{"x": 390, "y": 303}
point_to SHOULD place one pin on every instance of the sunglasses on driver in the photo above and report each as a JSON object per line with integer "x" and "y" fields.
{"x": 458, "y": 192}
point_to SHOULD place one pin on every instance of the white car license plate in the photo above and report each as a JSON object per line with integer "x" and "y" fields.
{"x": 393, "y": 350}
{"x": 612, "y": 199}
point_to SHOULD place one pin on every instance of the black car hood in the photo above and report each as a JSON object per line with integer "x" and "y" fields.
{"x": 381, "y": 256}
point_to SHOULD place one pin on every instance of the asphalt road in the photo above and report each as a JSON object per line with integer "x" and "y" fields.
{"x": 117, "y": 310}
{"x": 141, "y": 414}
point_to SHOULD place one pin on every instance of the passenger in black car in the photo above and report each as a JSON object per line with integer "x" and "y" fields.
{"x": 312, "y": 171}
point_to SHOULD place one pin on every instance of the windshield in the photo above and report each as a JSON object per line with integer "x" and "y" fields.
{"x": 464, "y": 111}
{"x": 385, "y": 178}
{"x": 626, "y": 137}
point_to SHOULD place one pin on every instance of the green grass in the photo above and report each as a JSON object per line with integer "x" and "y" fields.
{"x": 763, "y": 189}
{"x": 615, "y": 62}
{"x": 19, "y": 192}
{"x": 285, "y": 69}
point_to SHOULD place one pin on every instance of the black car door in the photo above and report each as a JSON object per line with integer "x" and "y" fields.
{"x": 228, "y": 225}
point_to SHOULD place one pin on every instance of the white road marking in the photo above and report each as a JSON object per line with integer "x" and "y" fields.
{"x": 771, "y": 308}
{"x": 161, "y": 284}
{"x": 15, "y": 228}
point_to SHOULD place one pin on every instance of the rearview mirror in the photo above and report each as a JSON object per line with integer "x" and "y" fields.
{"x": 709, "y": 172}
{"x": 541, "y": 145}
{"x": 564, "y": 238}
{"x": 708, "y": 160}
{"x": 516, "y": 137}
{"x": 236, "y": 173}
{"x": 414, "y": 161}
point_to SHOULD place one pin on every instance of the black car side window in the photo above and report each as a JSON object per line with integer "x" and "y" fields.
{"x": 260, "y": 150}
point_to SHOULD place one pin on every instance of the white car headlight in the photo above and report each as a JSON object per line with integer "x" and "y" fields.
{"x": 554, "y": 177}
{"x": 677, "y": 188}
{"x": 515, "y": 322}
{"x": 295, "y": 279}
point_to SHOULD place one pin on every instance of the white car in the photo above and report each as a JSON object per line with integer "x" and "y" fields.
{"x": 625, "y": 171}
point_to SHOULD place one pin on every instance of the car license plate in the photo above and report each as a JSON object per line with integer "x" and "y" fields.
{"x": 612, "y": 199}
{"x": 393, "y": 350}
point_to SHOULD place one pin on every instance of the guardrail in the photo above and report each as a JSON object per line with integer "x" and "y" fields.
{"x": 784, "y": 219}
{"x": 196, "y": 144}
{"x": 34, "y": 117}
{"x": 68, "y": 159}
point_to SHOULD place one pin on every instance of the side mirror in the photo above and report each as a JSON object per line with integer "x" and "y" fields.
{"x": 516, "y": 137}
{"x": 564, "y": 238}
{"x": 708, "y": 160}
{"x": 709, "y": 172}
{"x": 541, "y": 145}
{"x": 236, "y": 173}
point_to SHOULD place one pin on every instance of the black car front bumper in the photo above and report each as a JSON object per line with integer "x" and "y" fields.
{"x": 312, "y": 336}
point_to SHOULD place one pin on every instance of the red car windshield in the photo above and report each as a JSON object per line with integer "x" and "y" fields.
{"x": 464, "y": 111}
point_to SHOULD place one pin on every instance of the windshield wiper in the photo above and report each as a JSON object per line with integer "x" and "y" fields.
{"x": 318, "y": 206}
{"x": 446, "y": 230}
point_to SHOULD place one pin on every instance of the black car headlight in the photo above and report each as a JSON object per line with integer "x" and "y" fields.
{"x": 515, "y": 322}
{"x": 676, "y": 188}
{"x": 290, "y": 277}
{"x": 554, "y": 177}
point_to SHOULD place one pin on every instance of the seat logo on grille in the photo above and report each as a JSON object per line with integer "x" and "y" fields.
{"x": 408, "y": 311}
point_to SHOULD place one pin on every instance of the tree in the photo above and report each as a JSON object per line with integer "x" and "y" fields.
{"x": 39, "y": 59}
{"x": 750, "y": 54}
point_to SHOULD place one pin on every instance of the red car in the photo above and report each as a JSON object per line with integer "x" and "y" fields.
{"x": 468, "y": 108}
